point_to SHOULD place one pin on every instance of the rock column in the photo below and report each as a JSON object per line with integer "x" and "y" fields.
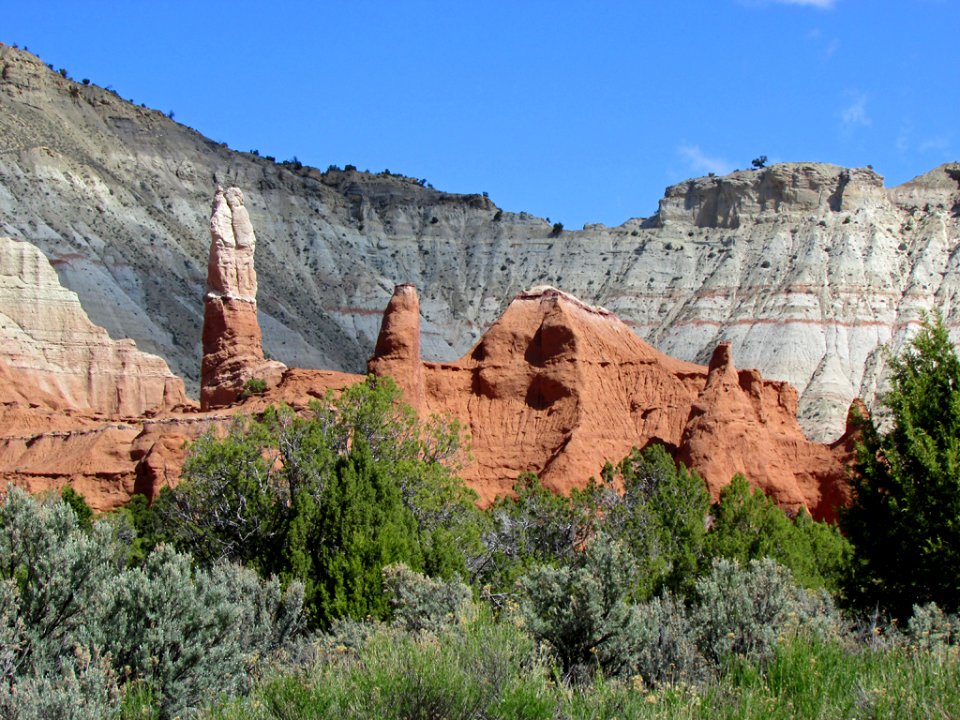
{"x": 398, "y": 346}
{"x": 232, "y": 344}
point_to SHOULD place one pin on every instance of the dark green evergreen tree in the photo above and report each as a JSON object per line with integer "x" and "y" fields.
{"x": 660, "y": 516}
{"x": 329, "y": 498}
{"x": 340, "y": 542}
{"x": 747, "y": 525}
{"x": 904, "y": 522}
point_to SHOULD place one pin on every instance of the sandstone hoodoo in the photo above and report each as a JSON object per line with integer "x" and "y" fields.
{"x": 232, "y": 344}
{"x": 558, "y": 387}
{"x": 397, "y": 353}
{"x": 741, "y": 423}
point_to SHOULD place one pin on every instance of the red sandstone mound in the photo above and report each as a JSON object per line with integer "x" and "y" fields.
{"x": 558, "y": 387}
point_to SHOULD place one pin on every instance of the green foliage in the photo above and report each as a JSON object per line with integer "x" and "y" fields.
{"x": 78, "y": 626}
{"x": 493, "y": 670}
{"x": 534, "y": 527}
{"x": 189, "y": 635}
{"x": 79, "y": 506}
{"x": 931, "y": 628}
{"x": 253, "y": 386}
{"x": 340, "y": 541}
{"x": 747, "y": 525}
{"x": 581, "y": 609}
{"x": 660, "y": 515}
{"x": 665, "y": 650}
{"x": 419, "y": 603}
{"x": 904, "y": 522}
{"x": 330, "y": 499}
{"x": 556, "y": 230}
{"x": 744, "y": 610}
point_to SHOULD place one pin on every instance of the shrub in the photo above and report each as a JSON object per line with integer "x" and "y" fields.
{"x": 361, "y": 483}
{"x": 190, "y": 635}
{"x": 253, "y": 386}
{"x": 931, "y": 628}
{"x": 660, "y": 515}
{"x": 747, "y": 525}
{"x": 666, "y": 651}
{"x": 581, "y": 609}
{"x": 556, "y": 230}
{"x": 536, "y": 527}
{"x": 742, "y": 610}
{"x": 75, "y": 622}
{"x": 79, "y": 506}
{"x": 418, "y": 602}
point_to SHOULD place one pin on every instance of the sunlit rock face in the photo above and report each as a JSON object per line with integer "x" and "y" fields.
{"x": 232, "y": 346}
{"x": 558, "y": 387}
{"x": 806, "y": 269}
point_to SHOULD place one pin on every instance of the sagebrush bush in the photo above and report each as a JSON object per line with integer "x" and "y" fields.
{"x": 665, "y": 643}
{"x": 79, "y": 686}
{"x": 932, "y": 628}
{"x": 743, "y": 610}
{"x": 418, "y": 602}
{"x": 581, "y": 609}
{"x": 77, "y": 627}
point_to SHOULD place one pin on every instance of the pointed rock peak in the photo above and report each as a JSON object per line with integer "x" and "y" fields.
{"x": 398, "y": 346}
{"x": 722, "y": 358}
{"x": 232, "y": 343}
{"x": 400, "y": 329}
{"x": 721, "y": 368}
{"x": 230, "y": 269}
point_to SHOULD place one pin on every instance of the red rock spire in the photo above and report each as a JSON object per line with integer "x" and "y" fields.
{"x": 232, "y": 344}
{"x": 397, "y": 353}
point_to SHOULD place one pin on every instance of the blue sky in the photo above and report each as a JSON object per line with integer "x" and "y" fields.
{"x": 581, "y": 112}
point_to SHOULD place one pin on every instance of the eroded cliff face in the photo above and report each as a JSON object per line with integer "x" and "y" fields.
{"x": 805, "y": 269}
{"x": 53, "y": 356}
{"x": 556, "y": 387}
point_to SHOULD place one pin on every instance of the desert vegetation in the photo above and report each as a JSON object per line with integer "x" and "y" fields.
{"x": 333, "y": 564}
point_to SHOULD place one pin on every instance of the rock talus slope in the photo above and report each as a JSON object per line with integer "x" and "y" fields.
{"x": 806, "y": 269}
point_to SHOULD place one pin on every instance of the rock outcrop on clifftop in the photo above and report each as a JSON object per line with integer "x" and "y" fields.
{"x": 53, "y": 356}
{"x": 558, "y": 387}
{"x": 232, "y": 346}
{"x": 806, "y": 269}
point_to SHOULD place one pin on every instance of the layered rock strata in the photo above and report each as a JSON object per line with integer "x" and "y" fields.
{"x": 806, "y": 269}
{"x": 556, "y": 386}
{"x": 52, "y": 355}
{"x": 232, "y": 345}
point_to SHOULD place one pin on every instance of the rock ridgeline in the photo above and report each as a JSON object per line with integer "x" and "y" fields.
{"x": 556, "y": 387}
{"x": 232, "y": 346}
{"x": 806, "y": 269}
